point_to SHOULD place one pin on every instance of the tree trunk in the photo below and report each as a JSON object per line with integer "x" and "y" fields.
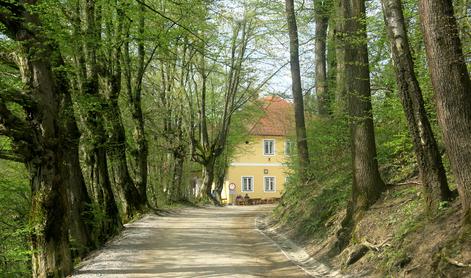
{"x": 103, "y": 194}
{"x": 339, "y": 38}
{"x": 140, "y": 156}
{"x": 303, "y": 153}
{"x": 320, "y": 52}
{"x": 80, "y": 204}
{"x": 95, "y": 137}
{"x": 49, "y": 188}
{"x": 131, "y": 201}
{"x": 220, "y": 177}
{"x": 367, "y": 183}
{"x": 177, "y": 193}
{"x": 452, "y": 86}
{"x": 208, "y": 179}
{"x": 432, "y": 172}
{"x": 130, "y": 198}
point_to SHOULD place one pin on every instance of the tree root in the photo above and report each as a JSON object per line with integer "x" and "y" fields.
{"x": 455, "y": 262}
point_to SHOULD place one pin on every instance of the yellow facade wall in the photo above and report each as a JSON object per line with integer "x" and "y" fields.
{"x": 250, "y": 161}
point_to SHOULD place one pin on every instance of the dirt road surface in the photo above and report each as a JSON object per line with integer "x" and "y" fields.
{"x": 209, "y": 242}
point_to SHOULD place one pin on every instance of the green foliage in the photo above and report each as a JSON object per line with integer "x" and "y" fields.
{"x": 395, "y": 150}
{"x": 14, "y": 211}
{"x": 310, "y": 208}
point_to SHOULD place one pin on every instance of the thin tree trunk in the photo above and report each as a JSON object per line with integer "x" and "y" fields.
{"x": 303, "y": 153}
{"x": 340, "y": 41}
{"x": 432, "y": 172}
{"x": 177, "y": 193}
{"x": 452, "y": 86}
{"x": 322, "y": 22}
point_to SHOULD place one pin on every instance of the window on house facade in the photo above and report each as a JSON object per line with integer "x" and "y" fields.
{"x": 269, "y": 184}
{"x": 247, "y": 184}
{"x": 289, "y": 147}
{"x": 268, "y": 147}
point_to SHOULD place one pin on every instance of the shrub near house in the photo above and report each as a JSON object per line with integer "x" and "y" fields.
{"x": 258, "y": 168}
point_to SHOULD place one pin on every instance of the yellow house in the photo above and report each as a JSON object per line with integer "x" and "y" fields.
{"x": 258, "y": 168}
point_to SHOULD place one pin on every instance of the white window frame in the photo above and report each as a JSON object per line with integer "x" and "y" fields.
{"x": 263, "y": 147}
{"x": 242, "y": 183}
{"x": 287, "y": 147}
{"x": 265, "y": 184}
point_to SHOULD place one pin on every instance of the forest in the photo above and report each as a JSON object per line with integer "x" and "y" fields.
{"x": 109, "y": 109}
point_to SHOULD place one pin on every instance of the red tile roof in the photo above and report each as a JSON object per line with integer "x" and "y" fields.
{"x": 278, "y": 117}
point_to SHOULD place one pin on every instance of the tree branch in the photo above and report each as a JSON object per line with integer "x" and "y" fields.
{"x": 171, "y": 20}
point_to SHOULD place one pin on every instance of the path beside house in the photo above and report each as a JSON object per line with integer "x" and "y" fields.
{"x": 209, "y": 242}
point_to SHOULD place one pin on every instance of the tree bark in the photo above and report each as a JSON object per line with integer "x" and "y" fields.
{"x": 452, "y": 86}
{"x": 177, "y": 194}
{"x": 321, "y": 18}
{"x": 49, "y": 208}
{"x": 208, "y": 179}
{"x": 431, "y": 170}
{"x": 95, "y": 137}
{"x": 80, "y": 203}
{"x": 140, "y": 156}
{"x": 367, "y": 182}
{"x": 301, "y": 136}
{"x": 339, "y": 36}
{"x": 353, "y": 69}
{"x": 131, "y": 202}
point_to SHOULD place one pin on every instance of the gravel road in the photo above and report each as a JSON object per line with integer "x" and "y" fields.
{"x": 209, "y": 242}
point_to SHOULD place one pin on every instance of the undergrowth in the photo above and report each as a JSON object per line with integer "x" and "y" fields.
{"x": 309, "y": 209}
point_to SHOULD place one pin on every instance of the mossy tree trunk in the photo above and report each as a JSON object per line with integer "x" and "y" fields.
{"x": 130, "y": 199}
{"x": 93, "y": 104}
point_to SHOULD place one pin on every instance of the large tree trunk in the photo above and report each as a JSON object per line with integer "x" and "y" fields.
{"x": 322, "y": 22}
{"x": 103, "y": 194}
{"x": 95, "y": 139}
{"x": 367, "y": 183}
{"x": 452, "y": 86}
{"x": 208, "y": 179}
{"x": 432, "y": 172}
{"x": 301, "y": 136}
{"x": 49, "y": 208}
{"x": 49, "y": 213}
{"x": 130, "y": 199}
{"x": 80, "y": 204}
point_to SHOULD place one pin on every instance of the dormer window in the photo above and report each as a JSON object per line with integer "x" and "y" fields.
{"x": 269, "y": 147}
